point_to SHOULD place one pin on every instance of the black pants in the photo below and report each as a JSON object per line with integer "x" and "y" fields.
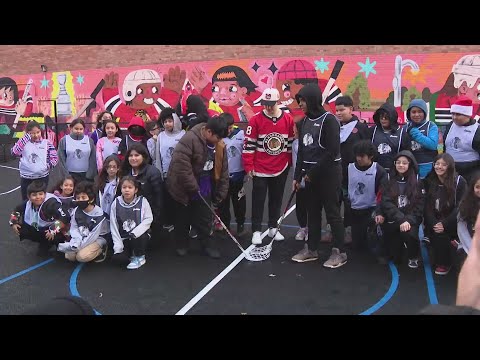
{"x": 395, "y": 240}
{"x": 28, "y": 232}
{"x": 168, "y": 206}
{"x": 239, "y": 206}
{"x": 325, "y": 195}
{"x": 301, "y": 208}
{"x": 361, "y": 221}
{"x": 199, "y": 216}
{"x": 79, "y": 177}
{"x": 275, "y": 187}
{"x": 136, "y": 246}
{"x": 442, "y": 248}
{"x": 25, "y": 182}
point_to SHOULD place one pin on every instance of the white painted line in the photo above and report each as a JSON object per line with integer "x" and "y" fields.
{"x": 9, "y": 191}
{"x": 9, "y": 167}
{"x": 220, "y": 276}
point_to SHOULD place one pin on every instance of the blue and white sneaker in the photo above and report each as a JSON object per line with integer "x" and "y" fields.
{"x": 137, "y": 262}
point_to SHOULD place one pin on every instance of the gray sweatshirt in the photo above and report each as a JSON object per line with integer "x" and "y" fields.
{"x": 139, "y": 230}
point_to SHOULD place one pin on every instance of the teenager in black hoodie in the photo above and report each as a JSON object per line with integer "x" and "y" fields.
{"x": 319, "y": 166}
{"x": 401, "y": 209}
{"x": 388, "y": 137}
{"x": 444, "y": 190}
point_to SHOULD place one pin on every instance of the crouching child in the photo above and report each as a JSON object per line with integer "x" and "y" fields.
{"x": 130, "y": 220}
{"x": 40, "y": 219}
{"x": 87, "y": 228}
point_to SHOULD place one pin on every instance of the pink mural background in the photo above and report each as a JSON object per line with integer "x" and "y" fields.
{"x": 235, "y": 85}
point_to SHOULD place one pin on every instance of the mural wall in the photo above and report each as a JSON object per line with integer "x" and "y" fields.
{"x": 235, "y": 86}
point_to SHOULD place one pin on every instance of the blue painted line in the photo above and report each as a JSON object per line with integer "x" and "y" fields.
{"x": 73, "y": 283}
{"x": 389, "y": 294}
{"x": 432, "y": 293}
{"x": 11, "y": 277}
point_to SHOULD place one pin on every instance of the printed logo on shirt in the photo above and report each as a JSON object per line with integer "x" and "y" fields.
{"x": 415, "y": 145}
{"x": 128, "y": 225}
{"x": 455, "y": 142}
{"x": 232, "y": 152}
{"x": 402, "y": 201}
{"x": 83, "y": 230}
{"x": 307, "y": 139}
{"x": 359, "y": 189}
{"x": 170, "y": 152}
{"x": 34, "y": 158}
{"x": 384, "y": 149}
{"x": 274, "y": 143}
{"x": 78, "y": 153}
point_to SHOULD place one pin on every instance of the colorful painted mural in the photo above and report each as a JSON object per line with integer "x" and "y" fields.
{"x": 234, "y": 86}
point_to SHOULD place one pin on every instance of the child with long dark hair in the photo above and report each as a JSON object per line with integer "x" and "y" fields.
{"x": 107, "y": 182}
{"x": 468, "y": 211}
{"x": 401, "y": 209}
{"x": 130, "y": 221}
{"x": 108, "y": 142}
{"x": 444, "y": 190}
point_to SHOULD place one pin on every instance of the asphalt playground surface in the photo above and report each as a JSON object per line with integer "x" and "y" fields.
{"x": 198, "y": 285}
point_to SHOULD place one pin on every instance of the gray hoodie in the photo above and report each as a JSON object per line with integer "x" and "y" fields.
{"x": 139, "y": 230}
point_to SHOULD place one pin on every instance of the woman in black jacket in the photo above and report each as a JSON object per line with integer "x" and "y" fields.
{"x": 136, "y": 163}
{"x": 444, "y": 190}
{"x": 401, "y": 209}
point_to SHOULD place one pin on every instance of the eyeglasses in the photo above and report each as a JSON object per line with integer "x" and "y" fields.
{"x": 401, "y": 163}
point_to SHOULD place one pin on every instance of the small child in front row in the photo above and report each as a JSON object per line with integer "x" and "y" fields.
{"x": 130, "y": 220}
{"x": 87, "y": 228}
{"x": 64, "y": 190}
{"x": 40, "y": 218}
{"x": 234, "y": 143}
{"x": 468, "y": 211}
{"x": 366, "y": 179}
{"x": 401, "y": 210}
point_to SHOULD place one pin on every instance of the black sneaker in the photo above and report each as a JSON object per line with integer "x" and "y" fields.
{"x": 193, "y": 233}
{"x": 240, "y": 230}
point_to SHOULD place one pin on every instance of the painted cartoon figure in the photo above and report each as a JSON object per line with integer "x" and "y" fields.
{"x": 293, "y": 75}
{"x": 231, "y": 88}
{"x": 145, "y": 93}
{"x": 464, "y": 80}
{"x": 11, "y": 102}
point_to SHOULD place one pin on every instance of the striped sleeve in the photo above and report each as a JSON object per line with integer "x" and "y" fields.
{"x": 17, "y": 149}
{"x": 52, "y": 156}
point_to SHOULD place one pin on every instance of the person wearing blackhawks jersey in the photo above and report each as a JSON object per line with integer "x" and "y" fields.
{"x": 267, "y": 156}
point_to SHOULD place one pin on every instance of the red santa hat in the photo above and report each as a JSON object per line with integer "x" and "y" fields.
{"x": 462, "y": 106}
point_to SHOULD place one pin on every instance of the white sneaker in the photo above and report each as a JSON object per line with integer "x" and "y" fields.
{"x": 302, "y": 234}
{"x": 278, "y": 236}
{"x": 257, "y": 238}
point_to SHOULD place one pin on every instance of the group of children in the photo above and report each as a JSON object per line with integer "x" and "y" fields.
{"x": 390, "y": 178}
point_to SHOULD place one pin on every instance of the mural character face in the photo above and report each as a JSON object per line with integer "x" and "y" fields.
{"x": 288, "y": 89}
{"x": 6, "y": 97}
{"x": 146, "y": 95}
{"x": 228, "y": 93}
{"x": 473, "y": 92}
